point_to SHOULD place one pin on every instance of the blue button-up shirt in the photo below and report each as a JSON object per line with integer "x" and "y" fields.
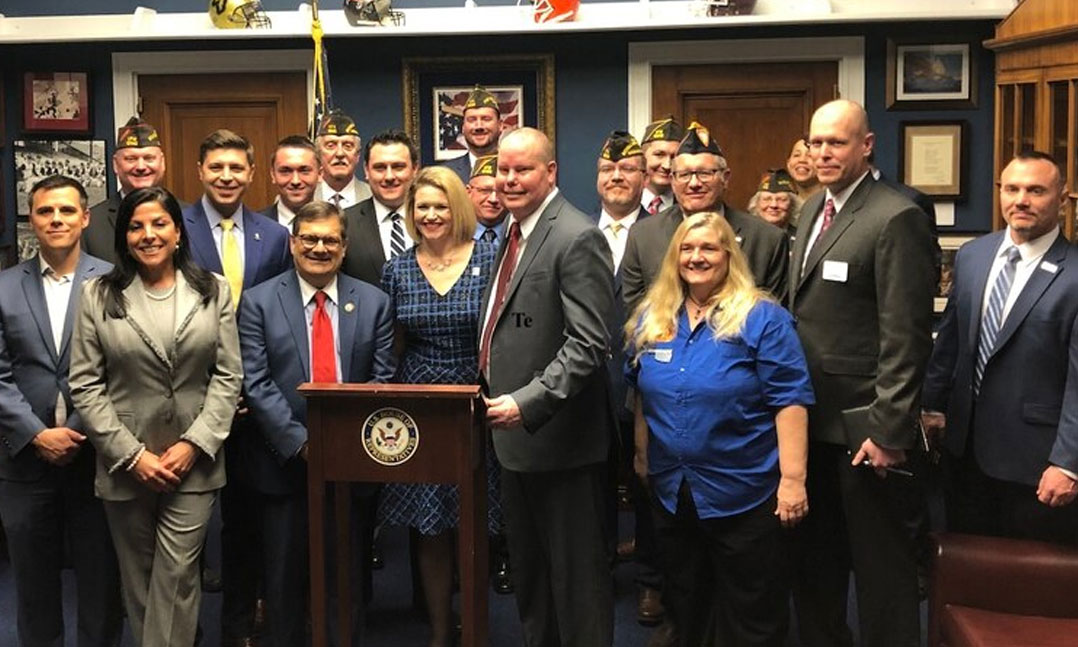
{"x": 710, "y": 406}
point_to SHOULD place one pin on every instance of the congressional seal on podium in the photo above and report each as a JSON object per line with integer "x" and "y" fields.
{"x": 390, "y": 436}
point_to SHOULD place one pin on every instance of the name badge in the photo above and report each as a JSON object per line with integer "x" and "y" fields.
{"x": 663, "y": 355}
{"x": 836, "y": 271}
{"x": 1051, "y": 268}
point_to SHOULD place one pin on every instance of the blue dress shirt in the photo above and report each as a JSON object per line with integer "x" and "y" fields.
{"x": 710, "y": 406}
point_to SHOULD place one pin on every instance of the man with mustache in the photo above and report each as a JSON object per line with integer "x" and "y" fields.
{"x": 700, "y": 179}
{"x": 294, "y": 172}
{"x": 481, "y": 127}
{"x": 338, "y": 145}
{"x": 138, "y": 162}
{"x": 1000, "y": 389}
{"x": 376, "y": 225}
{"x": 660, "y": 142}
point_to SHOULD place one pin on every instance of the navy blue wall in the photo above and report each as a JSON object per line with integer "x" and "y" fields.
{"x": 591, "y": 73}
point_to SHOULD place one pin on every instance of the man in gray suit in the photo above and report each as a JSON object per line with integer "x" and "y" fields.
{"x": 482, "y": 127}
{"x": 861, "y": 288}
{"x": 701, "y": 176}
{"x": 542, "y": 353}
{"x": 338, "y": 145}
{"x": 47, "y": 500}
{"x": 138, "y": 162}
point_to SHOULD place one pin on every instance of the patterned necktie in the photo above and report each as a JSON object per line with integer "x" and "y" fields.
{"x": 505, "y": 274}
{"x": 615, "y": 229}
{"x": 489, "y": 236}
{"x": 396, "y": 237}
{"x": 653, "y": 206}
{"x": 993, "y": 315}
{"x": 828, "y": 216}
{"x": 230, "y": 259}
{"x": 323, "y": 357}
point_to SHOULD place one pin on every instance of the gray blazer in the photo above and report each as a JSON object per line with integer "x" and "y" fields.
{"x": 131, "y": 393}
{"x": 550, "y": 345}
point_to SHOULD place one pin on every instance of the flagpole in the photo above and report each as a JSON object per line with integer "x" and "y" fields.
{"x": 320, "y": 98}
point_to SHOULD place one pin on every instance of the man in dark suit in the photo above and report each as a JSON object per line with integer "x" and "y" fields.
{"x": 490, "y": 213}
{"x": 247, "y": 248}
{"x": 1002, "y": 382}
{"x": 927, "y": 205}
{"x": 376, "y": 225}
{"x": 481, "y": 125}
{"x": 542, "y": 353}
{"x": 138, "y": 162}
{"x": 280, "y": 330}
{"x": 294, "y": 171}
{"x": 861, "y": 288}
{"x": 47, "y": 500}
{"x": 700, "y": 180}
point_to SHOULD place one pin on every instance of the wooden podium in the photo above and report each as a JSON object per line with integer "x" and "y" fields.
{"x": 396, "y": 433}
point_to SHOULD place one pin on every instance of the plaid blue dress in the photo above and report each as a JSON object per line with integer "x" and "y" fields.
{"x": 440, "y": 347}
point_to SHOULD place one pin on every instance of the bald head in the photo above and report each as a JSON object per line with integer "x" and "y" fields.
{"x": 840, "y": 143}
{"x": 527, "y": 171}
{"x": 532, "y": 139}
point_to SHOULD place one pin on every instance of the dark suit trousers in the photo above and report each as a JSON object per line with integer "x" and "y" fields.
{"x": 285, "y": 568}
{"x": 858, "y": 520}
{"x": 556, "y": 531}
{"x": 978, "y": 504}
{"x": 730, "y": 569}
{"x": 44, "y": 519}
{"x": 241, "y": 544}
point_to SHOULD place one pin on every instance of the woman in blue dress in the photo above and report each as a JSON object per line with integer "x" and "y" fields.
{"x": 437, "y": 288}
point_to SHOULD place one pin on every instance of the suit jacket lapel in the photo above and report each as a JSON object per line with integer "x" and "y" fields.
{"x": 346, "y": 320}
{"x": 138, "y": 317}
{"x": 842, "y": 220}
{"x": 252, "y": 247}
{"x": 35, "y": 296}
{"x": 202, "y": 246}
{"x": 83, "y": 271}
{"x": 291, "y": 300}
{"x": 535, "y": 241}
{"x": 804, "y": 228}
{"x": 1033, "y": 289}
{"x": 371, "y": 236}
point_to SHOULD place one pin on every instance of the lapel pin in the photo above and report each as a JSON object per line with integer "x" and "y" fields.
{"x": 258, "y": 236}
{"x": 349, "y": 307}
{"x": 738, "y": 239}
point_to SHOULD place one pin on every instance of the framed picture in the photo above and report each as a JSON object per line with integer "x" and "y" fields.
{"x": 83, "y": 160}
{"x": 435, "y": 90}
{"x": 949, "y": 247}
{"x": 56, "y": 102}
{"x": 932, "y": 159}
{"x": 930, "y": 76}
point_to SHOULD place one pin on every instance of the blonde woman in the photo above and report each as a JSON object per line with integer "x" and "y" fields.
{"x": 437, "y": 288}
{"x": 720, "y": 434}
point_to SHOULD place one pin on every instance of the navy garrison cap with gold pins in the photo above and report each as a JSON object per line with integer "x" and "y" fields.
{"x": 136, "y": 133}
{"x": 777, "y": 181}
{"x": 698, "y": 140}
{"x": 485, "y": 165}
{"x": 480, "y": 98}
{"x": 619, "y": 145}
{"x": 666, "y": 130}
{"x": 337, "y": 123}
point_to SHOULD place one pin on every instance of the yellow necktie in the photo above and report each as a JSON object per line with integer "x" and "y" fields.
{"x": 230, "y": 259}
{"x": 615, "y": 228}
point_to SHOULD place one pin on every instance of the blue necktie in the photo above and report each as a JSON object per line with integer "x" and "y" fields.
{"x": 993, "y": 315}
{"x": 396, "y": 237}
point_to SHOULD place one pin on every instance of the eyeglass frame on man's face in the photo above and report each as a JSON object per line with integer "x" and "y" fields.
{"x": 702, "y": 174}
{"x": 624, "y": 169}
{"x": 310, "y": 241}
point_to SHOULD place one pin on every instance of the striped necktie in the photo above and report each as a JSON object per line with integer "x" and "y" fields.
{"x": 992, "y": 320}
{"x": 396, "y": 237}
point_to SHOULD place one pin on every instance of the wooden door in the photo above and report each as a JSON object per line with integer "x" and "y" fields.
{"x": 755, "y": 111}
{"x": 186, "y": 107}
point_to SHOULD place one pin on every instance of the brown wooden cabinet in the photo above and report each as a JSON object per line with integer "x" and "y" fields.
{"x": 1036, "y": 50}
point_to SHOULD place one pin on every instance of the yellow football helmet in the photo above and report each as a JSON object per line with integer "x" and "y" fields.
{"x": 238, "y": 14}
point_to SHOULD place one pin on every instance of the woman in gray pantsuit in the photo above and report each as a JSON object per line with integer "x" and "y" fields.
{"x": 155, "y": 373}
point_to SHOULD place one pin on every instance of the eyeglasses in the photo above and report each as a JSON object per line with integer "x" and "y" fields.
{"x": 624, "y": 170}
{"x": 704, "y": 174}
{"x": 309, "y": 242}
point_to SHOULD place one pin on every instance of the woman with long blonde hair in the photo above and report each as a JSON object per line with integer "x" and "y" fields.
{"x": 720, "y": 435}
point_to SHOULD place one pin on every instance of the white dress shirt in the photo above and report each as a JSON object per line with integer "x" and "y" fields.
{"x": 57, "y": 288}
{"x": 349, "y": 194}
{"x": 840, "y": 199}
{"x": 285, "y": 216}
{"x": 616, "y": 242}
{"x": 667, "y": 199}
{"x": 1031, "y": 252}
{"x": 215, "y": 218}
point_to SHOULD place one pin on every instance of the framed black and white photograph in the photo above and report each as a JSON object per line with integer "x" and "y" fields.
{"x": 83, "y": 160}
{"x": 448, "y": 115}
{"x": 930, "y": 76}
{"x": 435, "y": 90}
{"x": 56, "y": 102}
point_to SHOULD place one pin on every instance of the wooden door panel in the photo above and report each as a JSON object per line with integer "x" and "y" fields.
{"x": 187, "y": 107}
{"x": 755, "y": 111}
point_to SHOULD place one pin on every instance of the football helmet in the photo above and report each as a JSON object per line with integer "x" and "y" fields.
{"x": 238, "y": 14}
{"x": 372, "y": 12}
{"x": 555, "y": 10}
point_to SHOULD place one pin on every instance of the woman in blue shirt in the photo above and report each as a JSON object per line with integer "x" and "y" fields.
{"x": 720, "y": 434}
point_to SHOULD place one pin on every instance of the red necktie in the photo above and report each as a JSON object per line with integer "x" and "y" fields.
{"x": 509, "y": 263}
{"x": 653, "y": 206}
{"x": 323, "y": 358}
{"x": 828, "y": 215}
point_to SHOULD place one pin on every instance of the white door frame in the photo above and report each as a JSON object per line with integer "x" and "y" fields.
{"x": 848, "y": 52}
{"x": 128, "y": 66}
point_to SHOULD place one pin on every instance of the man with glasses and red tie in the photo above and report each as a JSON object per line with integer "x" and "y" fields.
{"x": 313, "y": 324}
{"x": 700, "y": 178}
